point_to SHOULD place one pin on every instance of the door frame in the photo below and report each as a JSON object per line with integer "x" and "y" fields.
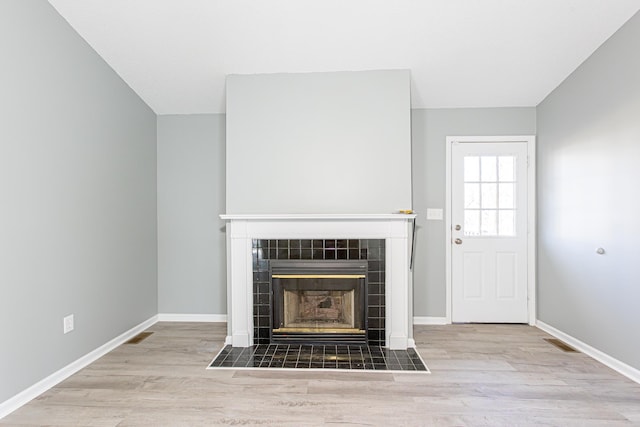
{"x": 530, "y": 140}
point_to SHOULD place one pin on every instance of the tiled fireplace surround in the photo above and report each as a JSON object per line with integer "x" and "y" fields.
{"x": 371, "y": 250}
{"x": 384, "y": 240}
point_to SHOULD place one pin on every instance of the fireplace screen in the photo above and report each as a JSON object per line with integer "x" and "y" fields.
{"x": 314, "y": 302}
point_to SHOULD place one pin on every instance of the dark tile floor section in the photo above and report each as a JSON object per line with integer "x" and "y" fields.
{"x": 352, "y": 357}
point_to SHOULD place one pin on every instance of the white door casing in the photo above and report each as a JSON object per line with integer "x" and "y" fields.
{"x": 491, "y": 229}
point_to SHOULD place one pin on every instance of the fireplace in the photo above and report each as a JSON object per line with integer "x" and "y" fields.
{"x": 319, "y": 301}
{"x": 382, "y": 240}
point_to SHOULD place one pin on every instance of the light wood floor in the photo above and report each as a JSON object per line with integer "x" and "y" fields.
{"x": 482, "y": 375}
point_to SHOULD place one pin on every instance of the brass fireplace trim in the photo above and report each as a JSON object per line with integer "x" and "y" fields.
{"x": 322, "y": 330}
{"x": 318, "y": 276}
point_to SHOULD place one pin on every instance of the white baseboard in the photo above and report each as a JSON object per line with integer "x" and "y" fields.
{"x": 613, "y": 363}
{"x": 423, "y": 320}
{"x": 177, "y": 317}
{"x": 25, "y": 396}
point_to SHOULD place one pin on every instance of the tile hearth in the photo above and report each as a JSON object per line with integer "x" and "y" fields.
{"x": 342, "y": 357}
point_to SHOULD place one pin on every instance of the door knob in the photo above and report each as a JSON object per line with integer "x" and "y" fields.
{"x": 458, "y": 228}
{"x": 458, "y": 241}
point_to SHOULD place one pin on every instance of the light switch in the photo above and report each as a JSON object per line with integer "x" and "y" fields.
{"x": 436, "y": 214}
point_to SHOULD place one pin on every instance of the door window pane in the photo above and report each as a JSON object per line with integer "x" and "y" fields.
{"x": 489, "y": 223}
{"x": 488, "y": 171}
{"x": 506, "y": 223}
{"x": 472, "y": 222}
{"x": 471, "y": 196}
{"x": 472, "y": 168}
{"x": 506, "y": 196}
{"x": 489, "y": 193}
{"x": 506, "y": 167}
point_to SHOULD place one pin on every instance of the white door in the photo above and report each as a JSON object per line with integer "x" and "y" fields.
{"x": 489, "y": 232}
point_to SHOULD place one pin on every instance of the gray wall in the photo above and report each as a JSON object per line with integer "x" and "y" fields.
{"x": 430, "y": 128}
{"x": 319, "y": 142}
{"x": 77, "y": 198}
{"x": 588, "y": 174}
{"x": 191, "y": 195}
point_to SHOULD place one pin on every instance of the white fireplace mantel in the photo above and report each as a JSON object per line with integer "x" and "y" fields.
{"x": 396, "y": 229}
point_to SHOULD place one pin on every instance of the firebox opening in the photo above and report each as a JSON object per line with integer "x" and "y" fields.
{"x": 319, "y": 301}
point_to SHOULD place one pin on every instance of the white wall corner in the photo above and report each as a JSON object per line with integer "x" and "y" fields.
{"x": 25, "y": 396}
{"x": 607, "y": 360}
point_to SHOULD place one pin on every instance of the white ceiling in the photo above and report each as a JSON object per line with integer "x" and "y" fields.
{"x": 462, "y": 53}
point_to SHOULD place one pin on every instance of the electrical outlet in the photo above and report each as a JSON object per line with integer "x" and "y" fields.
{"x": 67, "y": 324}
